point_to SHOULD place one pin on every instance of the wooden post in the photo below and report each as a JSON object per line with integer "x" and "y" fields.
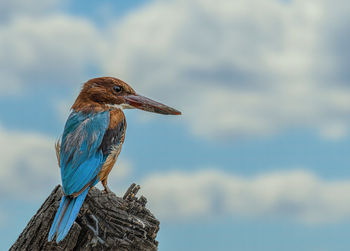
{"x": 105, "y": 222}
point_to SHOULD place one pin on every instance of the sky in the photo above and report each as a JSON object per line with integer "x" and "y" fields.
{"x": 259, "y": 160}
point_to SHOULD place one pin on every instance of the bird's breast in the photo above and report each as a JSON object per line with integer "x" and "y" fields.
{"x": 112, "y": 141}
{"x": 115, "y": 133}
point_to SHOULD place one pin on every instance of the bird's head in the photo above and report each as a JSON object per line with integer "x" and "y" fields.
{"x": 115, "y": 93}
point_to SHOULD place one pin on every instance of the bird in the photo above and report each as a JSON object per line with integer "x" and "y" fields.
{"x": 91, "y": 143}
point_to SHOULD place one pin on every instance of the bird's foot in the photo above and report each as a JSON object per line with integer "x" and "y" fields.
{"x": 107, "y": 190}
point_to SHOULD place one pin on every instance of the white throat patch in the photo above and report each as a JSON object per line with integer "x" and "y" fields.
{"x": 121, "y": 106}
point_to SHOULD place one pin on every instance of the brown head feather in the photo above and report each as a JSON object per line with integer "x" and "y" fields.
{"x": 98, "y": 93}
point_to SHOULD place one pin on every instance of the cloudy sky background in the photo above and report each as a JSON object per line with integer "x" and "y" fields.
{"x": 260, "y": 158}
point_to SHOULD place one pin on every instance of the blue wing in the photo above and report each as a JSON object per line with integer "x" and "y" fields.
{"x": 81, "y": 156}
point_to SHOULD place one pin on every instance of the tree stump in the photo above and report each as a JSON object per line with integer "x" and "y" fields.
{"x": 105, "y": 222}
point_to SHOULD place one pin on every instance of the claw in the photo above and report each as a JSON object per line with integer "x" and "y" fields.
{"x": 107, "y": 190}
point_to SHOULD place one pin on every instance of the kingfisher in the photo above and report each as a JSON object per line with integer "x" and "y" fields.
{"x": 91, "y": 143}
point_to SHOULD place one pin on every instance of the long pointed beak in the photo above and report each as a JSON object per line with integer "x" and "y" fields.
{"x": 146, "y": 104}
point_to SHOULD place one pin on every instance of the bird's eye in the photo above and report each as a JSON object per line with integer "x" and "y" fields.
{"x": 117, "y": 88}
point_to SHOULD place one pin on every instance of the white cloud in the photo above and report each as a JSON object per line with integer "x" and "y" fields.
{"x": 235, "y": 68}
{"x": 47, "y": 50}
{"x": 122, "y": 170}
{"x": 14, "y": 8}
{"x": 29, "y": 167}
{"x": 290, "y": 195}
{"x": 63, "y": 108}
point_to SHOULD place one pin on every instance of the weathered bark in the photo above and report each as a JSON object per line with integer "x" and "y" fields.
{"x": 105, "y": 222}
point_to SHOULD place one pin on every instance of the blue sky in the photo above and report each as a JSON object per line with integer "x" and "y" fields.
{"x": 258, "y": 161}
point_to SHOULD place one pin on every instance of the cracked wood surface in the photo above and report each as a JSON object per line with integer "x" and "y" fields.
{"x": 105, "y": 222}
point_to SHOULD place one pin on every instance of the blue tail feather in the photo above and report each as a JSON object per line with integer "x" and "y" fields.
{"x": 58, "y": 216}
{"x": 66, "y": 215}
